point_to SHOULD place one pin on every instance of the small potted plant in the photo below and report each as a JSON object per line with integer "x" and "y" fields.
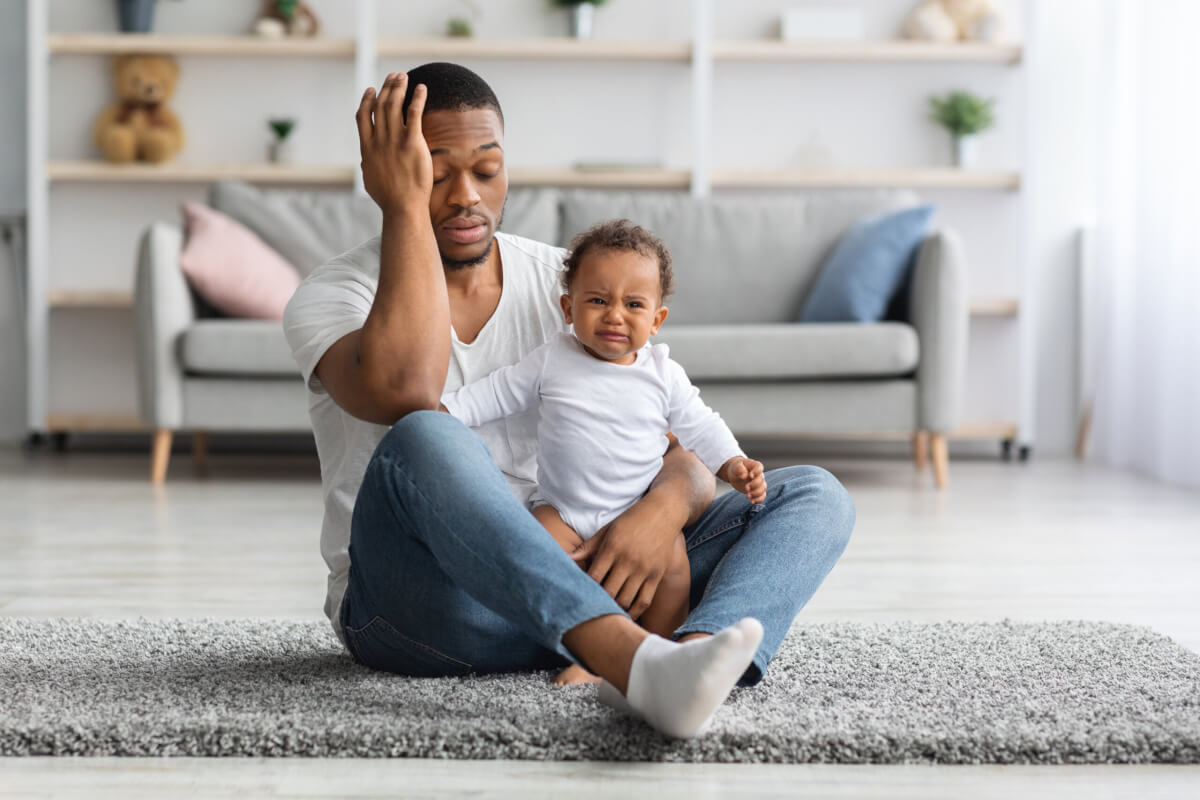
{"x": 458, "y": 27}
{"x": 582, "y": 13}
{"x": 964, "y": 115}
{"x": 279, "y": 152}
{"x": 463, "y": 25}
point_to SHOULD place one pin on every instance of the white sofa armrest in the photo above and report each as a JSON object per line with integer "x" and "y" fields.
{"x": 163, "y": 309}
{"x": 938, "y": 310}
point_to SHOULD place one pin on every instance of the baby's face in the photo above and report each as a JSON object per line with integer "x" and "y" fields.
{"x": 615, "y": 303}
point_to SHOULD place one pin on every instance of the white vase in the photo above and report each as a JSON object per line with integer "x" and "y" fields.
{"x": 582, "y": 16}
{"x": 279, "y": 152}
{"x": 966, "y": 151}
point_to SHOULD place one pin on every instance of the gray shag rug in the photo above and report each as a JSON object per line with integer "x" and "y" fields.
{"x": 951, "y": 693}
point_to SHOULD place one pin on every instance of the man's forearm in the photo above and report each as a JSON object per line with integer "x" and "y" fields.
{"x": 405, "y": 345}
{"x": 685, "y": 483}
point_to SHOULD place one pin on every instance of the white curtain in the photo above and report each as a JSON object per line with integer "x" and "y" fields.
{"x": 1147, "y": 245}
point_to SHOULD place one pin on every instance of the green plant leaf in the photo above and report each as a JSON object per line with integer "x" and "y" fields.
{"x": 962, "y": 113}
{"x": 281, "y": 127}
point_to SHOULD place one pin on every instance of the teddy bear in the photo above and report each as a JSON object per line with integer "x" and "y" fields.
{"x": 139, "y": 126}
{"x": 280, "y": 18}
{"x": 953, "y": 21}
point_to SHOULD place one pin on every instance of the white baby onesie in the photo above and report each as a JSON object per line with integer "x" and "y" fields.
{"x": 601, "y": 426}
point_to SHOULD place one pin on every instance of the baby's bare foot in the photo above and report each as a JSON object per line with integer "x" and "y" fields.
{"x": 575, "y": 674}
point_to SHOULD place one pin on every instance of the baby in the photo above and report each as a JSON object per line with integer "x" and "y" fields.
{"x": 607, "y": 400}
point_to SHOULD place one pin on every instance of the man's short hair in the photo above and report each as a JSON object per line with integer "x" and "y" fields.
{"x": 451, "y": 87}
{"x": 620, "y": 234}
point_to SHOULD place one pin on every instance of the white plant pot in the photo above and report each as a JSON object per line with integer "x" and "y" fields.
{"x": 582, "y": 17}
{"x": 280, "y": 152}
{"x": 966, "y": 151}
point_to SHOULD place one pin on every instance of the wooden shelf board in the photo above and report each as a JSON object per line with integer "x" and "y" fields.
{"x": 539, "y": 48}
{"x": 929, "y": 178}
{"x": 886, "y": 51}
{"x": 116, "y": 43}
{"x": 90, "y": 298}
{"x": 917, "y": 178}
{"x": 648, "y": 178}
{"x": 100, "y": 172}
{"x": 94, "y": 423}
{"x": 995, "y": 307}
{"x": 534, "y": 48}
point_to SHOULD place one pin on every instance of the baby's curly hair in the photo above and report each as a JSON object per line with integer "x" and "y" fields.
{"x": 620, "y": 234}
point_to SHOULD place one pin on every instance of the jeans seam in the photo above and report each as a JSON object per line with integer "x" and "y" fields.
{"x": 421, "y": 646}
{"x": 731, "y": 525}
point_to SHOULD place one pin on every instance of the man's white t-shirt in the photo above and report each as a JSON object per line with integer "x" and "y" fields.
{"x": 601, "y": 426}
{"x": 335, "y": 300}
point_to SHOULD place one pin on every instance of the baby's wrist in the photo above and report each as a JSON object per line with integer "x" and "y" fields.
{"x": 724, "y": 472}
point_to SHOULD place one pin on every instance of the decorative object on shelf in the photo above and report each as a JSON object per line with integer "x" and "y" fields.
{"x": 813, "y": 152}
{"x": 279, "y": 152}
{"x": 954, "y": 21}
{"x": 281, "y": 18}
{"x": 829, "y": 23}
{"x": 582, "y": 14}
{"x": 649, "y": 165}
{"x": 135, "y": 16}
{"x": 457, "y": 27}
{"x": 140, "y": 126}
{"x": 964, "y": 115}
{"x": 463, "y": 26}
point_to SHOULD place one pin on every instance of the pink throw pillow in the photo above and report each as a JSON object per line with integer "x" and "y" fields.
{"x": 232, "y": 268}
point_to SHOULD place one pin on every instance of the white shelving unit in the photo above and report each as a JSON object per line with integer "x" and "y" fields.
{"x": 365, "y": 50}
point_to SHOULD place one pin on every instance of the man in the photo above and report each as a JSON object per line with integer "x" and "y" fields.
{"x": 436, "y": 566}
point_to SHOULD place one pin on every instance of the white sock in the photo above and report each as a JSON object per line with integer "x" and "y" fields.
{"x": 677, "y": 687}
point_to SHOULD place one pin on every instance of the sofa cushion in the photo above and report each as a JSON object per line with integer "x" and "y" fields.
{"x": 236, "y": 347}
{"x": 532, "y": 212}
{"x": 866, "y": 267}
{"x": 737, "y": 257}
{"x": 792, "y": 351}
{"x": 310, "y": 227}
{"x": 306, "y": 227}
{"x": 231, "y": 268}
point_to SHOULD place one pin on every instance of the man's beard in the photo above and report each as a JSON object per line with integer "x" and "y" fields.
{"x": 453, "y": 264}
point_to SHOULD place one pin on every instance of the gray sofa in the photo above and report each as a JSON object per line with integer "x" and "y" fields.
{"x": 744, "y": 265}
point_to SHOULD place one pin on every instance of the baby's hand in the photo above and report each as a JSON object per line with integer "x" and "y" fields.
{"x": 746, "y": 475}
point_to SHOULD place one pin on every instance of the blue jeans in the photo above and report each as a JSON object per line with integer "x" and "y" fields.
{"x": 450, "y": 574}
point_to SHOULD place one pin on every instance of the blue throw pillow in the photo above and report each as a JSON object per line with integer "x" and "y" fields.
{"x": 866, "y": 267}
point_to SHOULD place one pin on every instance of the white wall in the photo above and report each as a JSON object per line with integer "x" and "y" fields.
{"x": 1063, "y": 159}
{"x": 558, "y": 113}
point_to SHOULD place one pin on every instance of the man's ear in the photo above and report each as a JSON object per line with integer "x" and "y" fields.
{"x": 660, "y": 317}
{"x": 565, "y": 302}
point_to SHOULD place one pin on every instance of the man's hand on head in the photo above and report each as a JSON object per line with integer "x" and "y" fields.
{"x": 396, "y": 165}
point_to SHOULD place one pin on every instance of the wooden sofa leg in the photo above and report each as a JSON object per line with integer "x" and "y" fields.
{"x": 200, "y": 452}
{"x": 941, "y": 460}
{"x": 160, "y": 454}
{"x": 920, "y": 449}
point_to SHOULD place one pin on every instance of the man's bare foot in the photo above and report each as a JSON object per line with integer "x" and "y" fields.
{"x": 575, "y": 674}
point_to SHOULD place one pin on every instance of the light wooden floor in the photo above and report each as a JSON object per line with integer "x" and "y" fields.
{"x": 85, "y": 534}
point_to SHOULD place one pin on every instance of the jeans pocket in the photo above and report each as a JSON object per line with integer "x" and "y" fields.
{"x": 379, "y": 645}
